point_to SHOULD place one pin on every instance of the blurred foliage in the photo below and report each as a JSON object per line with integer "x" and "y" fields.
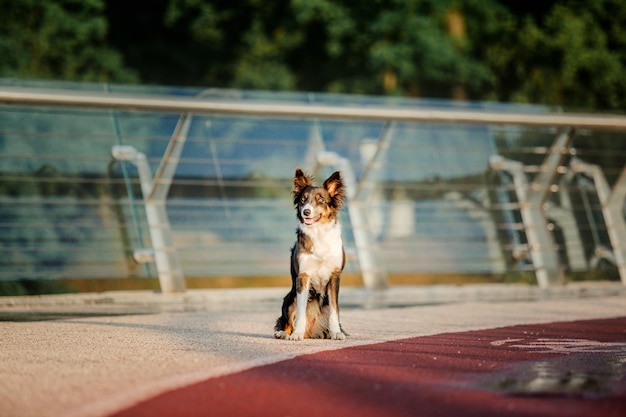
{"x": 572, "y": 56}
{"x": 60, "y": 39}
{"x": 33, "y": 287}
{"x": 568, "y": 53}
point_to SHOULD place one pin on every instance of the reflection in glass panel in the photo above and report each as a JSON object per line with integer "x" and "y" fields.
{"x": 67, "y": 210}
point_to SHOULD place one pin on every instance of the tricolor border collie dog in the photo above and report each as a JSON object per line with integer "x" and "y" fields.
{"x": 311, "y": 308}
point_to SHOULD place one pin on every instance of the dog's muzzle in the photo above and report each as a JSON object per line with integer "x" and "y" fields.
{"x": 306, "y": 216}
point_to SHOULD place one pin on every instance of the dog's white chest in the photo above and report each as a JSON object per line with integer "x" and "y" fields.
{"x": 326, "y": 252}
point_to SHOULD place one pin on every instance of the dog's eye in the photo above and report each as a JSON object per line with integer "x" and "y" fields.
{"x": 303, "y": 198}
{"x": 321, "y": 200}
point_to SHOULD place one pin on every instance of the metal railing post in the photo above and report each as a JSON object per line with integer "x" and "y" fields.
{"x": 612, "y": 209}
{"x": 370, "y": 263}
{"x": 171, "y": 278}
{"x": 532, "y": 197}
{"x": 167, "y": 168}
{"x": 563, "y": 214}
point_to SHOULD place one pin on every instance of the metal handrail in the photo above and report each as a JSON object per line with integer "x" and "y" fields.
{"x": 178, "y": 104}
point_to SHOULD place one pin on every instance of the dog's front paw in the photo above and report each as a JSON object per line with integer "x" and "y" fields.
{"x": 338, "y": 336}
{"x": 296, "y": 336}
{"x": 281, "y": 334}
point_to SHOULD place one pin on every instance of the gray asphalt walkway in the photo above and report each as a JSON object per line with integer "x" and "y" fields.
{"x": 91, "y": 354}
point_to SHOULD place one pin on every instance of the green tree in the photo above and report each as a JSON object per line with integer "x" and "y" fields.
{"x": 58, "y": 39}
{"x": 574, "y": 56}
{"x": 408, "y": 47}
{"x": 246, "y": 44}
{"x": 569, "y": 53}
{"x": 424, "y": 45}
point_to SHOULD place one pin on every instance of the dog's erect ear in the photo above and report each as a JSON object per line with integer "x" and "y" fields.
{"x": 334, "y": 186}
{"x": 300, "y": 181}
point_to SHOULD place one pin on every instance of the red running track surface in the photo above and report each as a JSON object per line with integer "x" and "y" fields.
{"x": 559, "y": 369}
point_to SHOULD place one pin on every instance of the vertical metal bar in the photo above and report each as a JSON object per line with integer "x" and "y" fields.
{"x": 370, "y": 178}
{"x": 541, "y": 245}
{"x": 615, "y": 223}
{"x": 167, "y": 168}
{"x": 564, "y": 215}
{"x": 612, "y": 209}
{"x": 315, "y": 143}
{"x": 314, "y": 147}
{"x": 374, "y": 275}
{"x": 548, "y": 270}
{"x": 540, "y": 187}
{"x": 171, "y": 277}
{"x": 127, "y": 183}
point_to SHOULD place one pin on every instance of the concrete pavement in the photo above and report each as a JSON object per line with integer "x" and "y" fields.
{"x": 93, "y": 354}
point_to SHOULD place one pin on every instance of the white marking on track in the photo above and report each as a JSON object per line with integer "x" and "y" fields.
{"x": 562, "y": 346}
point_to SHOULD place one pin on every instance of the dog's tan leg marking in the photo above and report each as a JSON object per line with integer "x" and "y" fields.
{"x": 333, "y": 294}
{"x": 302, "y": 282}
{"x": 302, "y": 298}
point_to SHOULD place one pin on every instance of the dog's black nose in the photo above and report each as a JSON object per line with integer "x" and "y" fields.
{"x": 306, "y": 212}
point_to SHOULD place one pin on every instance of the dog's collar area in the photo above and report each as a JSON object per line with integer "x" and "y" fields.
{"x": 311, "y": 220}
